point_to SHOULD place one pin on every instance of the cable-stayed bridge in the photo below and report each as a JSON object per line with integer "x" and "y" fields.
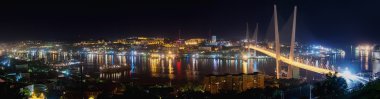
{"x": 293, "y": 66}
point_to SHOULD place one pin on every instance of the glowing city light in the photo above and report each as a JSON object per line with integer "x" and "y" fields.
{"x": 346, "y": 74}
{"x": 34, "y": 96}
{"x": 91, "y": 97}
{"x": 245, "y": 57}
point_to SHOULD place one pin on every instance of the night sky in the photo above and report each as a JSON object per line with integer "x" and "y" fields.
{"x": 319, "y": 21}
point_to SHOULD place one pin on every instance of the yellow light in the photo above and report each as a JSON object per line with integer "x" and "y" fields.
{"x": 245, "y": 66}
{"x": 91, "y": 97}
{"x": 294, "y": 63}
{"x": 34, "y": 96}
{"x": 367, "y": 48}
{"x": 42, "y": 96}
{"x": 245, "y": 57}
{"x": 154, "y": 55}
{"x": 171, "y": 56}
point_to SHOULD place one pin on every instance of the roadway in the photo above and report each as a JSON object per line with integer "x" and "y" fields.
{"x": 293, "y": 63}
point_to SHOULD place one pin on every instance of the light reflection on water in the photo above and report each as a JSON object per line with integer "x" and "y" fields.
{"x": 190, "y": 69}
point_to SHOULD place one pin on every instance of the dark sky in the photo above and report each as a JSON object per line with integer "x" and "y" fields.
{"x": 320, "y": 21}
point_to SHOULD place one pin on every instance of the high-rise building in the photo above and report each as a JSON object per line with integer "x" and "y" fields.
{"x": 236, "y": 82}
{"x": 194, "y": 41}
{"x": 213, "y": 39}
{"x": 376, "y": 60}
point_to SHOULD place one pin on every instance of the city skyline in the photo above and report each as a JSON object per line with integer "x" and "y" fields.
{"x": 271, "y": 49}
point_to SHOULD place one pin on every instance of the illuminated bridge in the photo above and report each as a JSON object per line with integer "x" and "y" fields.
{"x": 293, "y": 66}
{"x": 291, "y": 62}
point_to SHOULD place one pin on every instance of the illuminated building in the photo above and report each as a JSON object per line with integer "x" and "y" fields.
{"x": 236, "y": 82}
{"x": 140, "y": 41}
{"x": 194, "y": 41}
{"x": 376, "y": 52}
{"x": 270, "y": 45}
{"x": 205, "y": 48}
{"x": 376, "y": 60}
{"x": 34, "y": 96}
{"x": 213, "y": 39}
{"x": 84, "y": 43}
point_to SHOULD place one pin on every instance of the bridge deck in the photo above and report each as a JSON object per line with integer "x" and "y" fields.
{"x": 293, "y": 63}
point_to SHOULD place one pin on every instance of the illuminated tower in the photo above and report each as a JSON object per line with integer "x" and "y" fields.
{"x": 255, "y": 38}
{"x": 277, "y": 43}
{"x": 293, "y": 72}
{"x": 247, "y": 42}
{"x": 247, "y": 34}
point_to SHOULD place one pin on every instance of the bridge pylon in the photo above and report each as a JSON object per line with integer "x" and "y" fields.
{"x": 247, "y": 43}
{"x": 277, "y": 44}
{"x": 293, "y": 72}
{"x": 255, "y": 41}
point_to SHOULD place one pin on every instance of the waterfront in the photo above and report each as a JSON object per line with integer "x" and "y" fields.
{"x": 143, "y": 68}
{"x": 190, "y": 50}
